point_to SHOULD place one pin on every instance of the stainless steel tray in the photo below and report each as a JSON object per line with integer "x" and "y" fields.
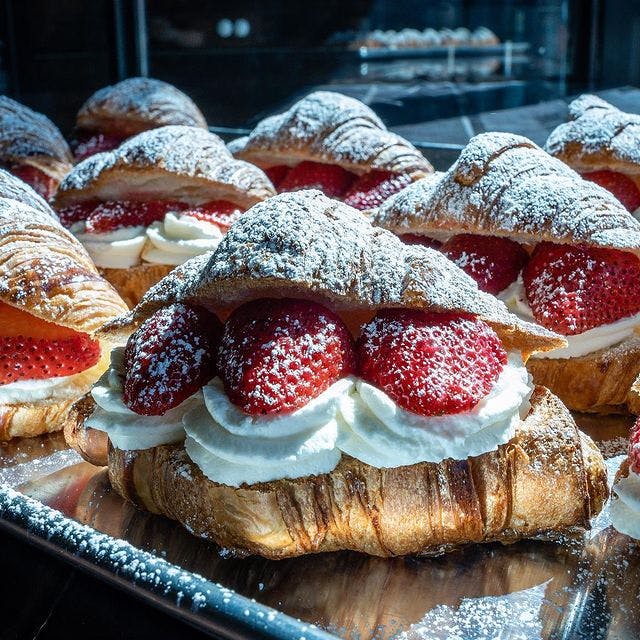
{"x": 586, "y": 587}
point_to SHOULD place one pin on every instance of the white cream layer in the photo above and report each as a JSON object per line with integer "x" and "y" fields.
{"x": 119, "y": 249}
{"x": 27, "y": 391}
{"x": 625, "y": 510}
{"x": 606, "y": 335}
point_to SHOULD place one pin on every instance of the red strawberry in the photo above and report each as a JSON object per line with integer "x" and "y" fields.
{"x": 573, "y": 289}
{"x": 430, "y": 363}
{"x": 425, "y": 241}
{"x": 621, "y": 186}
{"x": 76, "y": 212}
{"x": 634, "y": 447}
{"x": 108, "y": 216}
{"x": 219, "y": 212}
{"x": 331, "y": 179}
{"x": 169, "y": 357}
{"x": 372, "y": 189}
{"x": 40, "y": 182}
{"x": 277, "y": 355}
{"x": 96, "y": 143}
{"x": 494, "y": 263}
{"x": 277, "y": 174}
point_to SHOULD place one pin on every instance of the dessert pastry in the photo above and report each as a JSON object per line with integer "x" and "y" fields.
{"x": 162, "y": 197}
{"x": 115, "y": 113}
{"x": 32, "y": 147}
{"x": 558, "y": 250}
{"x": 334, "y": 143}
{"x": 52, "y": 302}
{"x": 602, "y": 143}
{"x": 361, "y": 394}
{"x": 625, "y": 503}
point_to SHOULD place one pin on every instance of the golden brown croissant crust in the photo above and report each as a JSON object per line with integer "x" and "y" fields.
{"x": 549, "y": 478}
{"x": 138, "y": 104}
{"x": 133, "y": 282}
{"x": 91, "y": 444}
{"x": 173, "y": 162}
{"x": 28, "y": 420}
{"x": 28, "y": 137}
{"x": 332, "y": 128}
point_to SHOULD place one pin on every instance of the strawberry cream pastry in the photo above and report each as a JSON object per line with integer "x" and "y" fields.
{"x": 32, "y": 148}
{"x": 52, "y": 302}
{"x": 558, "y": 250}
{"x": 334, "y": 143}
{"x": 115, "y": 113}
{"x": 625, "y": 503}
{"x": 602, "y": 143}
{"x": 316, "y": 385}
{"x": 161, "y": 198}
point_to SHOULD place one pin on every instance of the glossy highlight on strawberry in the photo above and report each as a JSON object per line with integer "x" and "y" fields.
{"x": 621, "y": 186}
{"x": 372, "y": 189}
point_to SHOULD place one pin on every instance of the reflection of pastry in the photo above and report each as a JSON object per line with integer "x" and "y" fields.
{"x": 162, "y": 197}
{"x": 32, "y": 147}
{"x": 558, "y": 250}
{"x": 52, "y": 302}
{"x": 334, "y": 143}
{"x": 603, "y": 144}
{"x": 307, "y": 442}
{"x": 127, "y": 108}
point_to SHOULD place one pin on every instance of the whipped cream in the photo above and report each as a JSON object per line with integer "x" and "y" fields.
{"x": 606, "y": 335}
{"x": 118, "y": 249}
{"x": 625, "y": 510}
{"x": 26, "y": 391}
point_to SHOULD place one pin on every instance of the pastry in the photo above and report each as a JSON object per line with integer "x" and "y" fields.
{"x": 162, "y": 197}
{"x": 625, "y": 503}
{"x": 602, "y": 143}
{"x": 52, "y": 302}
{"x": 32, "y": 147}
{"x": 287, "y": 436}
{"x": 115, "y": 113}
{"x": 334, "y": 143}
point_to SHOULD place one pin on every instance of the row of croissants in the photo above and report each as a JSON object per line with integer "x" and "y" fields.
{"x": 307, "y": 340}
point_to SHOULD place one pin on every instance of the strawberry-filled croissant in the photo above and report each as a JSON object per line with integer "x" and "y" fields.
{"x": 316, "y": 385}
{"x": 162, "y": 197}
{"x": 334, "y": 143}
{"x": 52, "y": 302}
{"x": 560, "y": 251}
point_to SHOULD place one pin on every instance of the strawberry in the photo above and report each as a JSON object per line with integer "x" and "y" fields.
{"x": 278, "y": 354}
{"x": 76, "y": 212}
{"x": 97, "y": 143}
{"x": 430, "y": 363}
{"x": 40, "y": 182}
{"x": 219, "y": 212}
{"x": 112, "y": 215}
{"x": 572, "y": 289}
{"x": 621, "y": 186}
{"x": 331, "y": 179}
{"x": 169, "y": 357}
{"x": 277, "y": 174}
{"x": 372, "y": 189}
{"x": 425, "y": 241}
{"x": 493, "y": 262}
{"x": 634, "y": 447}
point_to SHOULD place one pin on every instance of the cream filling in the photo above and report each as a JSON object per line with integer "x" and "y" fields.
{"x": 119, "y": 249}
{"x": 606, "y": 335}
{"x": 625, "y": 510}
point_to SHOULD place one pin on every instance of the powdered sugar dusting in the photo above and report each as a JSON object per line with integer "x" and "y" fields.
{"x": 13, "y": 188}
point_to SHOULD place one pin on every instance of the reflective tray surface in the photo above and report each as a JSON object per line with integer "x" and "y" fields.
{"x": 584, "y": 587}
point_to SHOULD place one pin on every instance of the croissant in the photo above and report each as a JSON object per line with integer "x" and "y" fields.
{"x": 32, "y": 147}
{"x": 49, "y": 290}
{"x": 545, "y": 477}
{"x": 504, "y": 186}
{"x": 179, "y": 182}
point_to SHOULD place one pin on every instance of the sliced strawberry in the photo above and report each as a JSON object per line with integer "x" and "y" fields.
{"x": 96, "y": 143}
{"x": 430, "y": 363}
{"x": 574, "y": 289}
{"x": 372, "y": 189}
{"x": 332, "y": 180}
{"x": 634, "y": 447}
{"x": 219, "y": 212}
{"x": 169, "y": 357}
{"x": 494, "y": 263}
{"x": 109, "y": 216}
{"x": 425, "y": 241}
{"x": 277, "y": 174}
{"x": 76, "y": 212}
{"x": 40, "y": 182}
{"x": 277, "y": 355}
{"x": 621, "y": 186}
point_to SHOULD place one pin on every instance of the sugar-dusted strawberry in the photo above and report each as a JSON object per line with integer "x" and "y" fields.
{"x": 169, "y": 357}
{"x": 40, "y": 182}
{"x": 425, "y": 241}
{"x": 372, "y": 189}
{"x": 97, "y": 143}
{"x": 430, "y": 363}
{"x": 278, "y": 354}
{"x": 572, "y": 289}
{"x": 634, "y": 447}
{"x": 76, "y": 212}
{"x": 332, "y": 180}
{"x": 494, "y": 263}
{"x": 621, "y": 186}
{"x": 222, "y": 213}
{"x": 112, "y": 215}
{"x": 277, "y": 174}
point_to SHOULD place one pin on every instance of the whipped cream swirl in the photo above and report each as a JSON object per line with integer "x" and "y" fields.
{"x": 118, "y": 249}
{"x": 625, "y": 510}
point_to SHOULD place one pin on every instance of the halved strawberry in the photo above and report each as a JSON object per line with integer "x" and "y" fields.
{"x": 277, "y": 174}
{"x": 621, "y": 186}
{"x": 372, "y": 189}
{"x": 430, "y": 363}
{"x": 96, "y": 143}
{"x": 278, "y": 354}
{"x": 219, "y": 212}
{"x": 425, "y": 241}
{"x": 494, "y": 263}
{"x": 169, "y": 357}
{"x": 76, "y": 212}
{"x": 112, "y": 215}
{"x": 572, "y": 289}
{"x": 634, "y": 447}
{"x": 40, "y": 182}
{"x": 332, "y": 180}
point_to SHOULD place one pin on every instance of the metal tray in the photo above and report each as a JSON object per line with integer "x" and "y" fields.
{"x": 585, "y": 587}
